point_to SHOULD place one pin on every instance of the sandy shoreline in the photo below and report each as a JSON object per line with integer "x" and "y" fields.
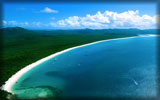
{"x": 12, "y": 80}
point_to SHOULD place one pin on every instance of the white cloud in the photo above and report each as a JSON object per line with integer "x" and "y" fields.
{"x": 49, "y": 10}
{"x": 15, "y": 23}
{"x": 26, "y": 23}
{"x": 23, "y": 23}
{"x": 39, "y": 24}
{"x": 52, "y": 24}
{"x": 12, "y": 22}
{"x": 105, "y": 20}
{"x": 4, "y": 22}
{"x": 52, "y": 18}
{"x": 109, "y": 19}
{"x": 36, "y": 23}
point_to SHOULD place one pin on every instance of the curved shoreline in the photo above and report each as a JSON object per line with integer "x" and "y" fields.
{"x": 12, "y": 80}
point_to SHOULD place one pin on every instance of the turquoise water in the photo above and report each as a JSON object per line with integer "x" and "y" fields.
{"x": 117, "y": 68}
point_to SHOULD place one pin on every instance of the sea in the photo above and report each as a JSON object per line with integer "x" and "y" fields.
{"x": 108, "y": 69}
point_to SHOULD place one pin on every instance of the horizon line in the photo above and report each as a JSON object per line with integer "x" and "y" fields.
{"x": 80, "y": 28}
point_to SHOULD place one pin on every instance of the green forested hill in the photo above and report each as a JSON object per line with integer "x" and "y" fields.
{"x": 99, "y": 31}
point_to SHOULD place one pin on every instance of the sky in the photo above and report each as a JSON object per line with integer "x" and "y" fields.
{"x": 80, "y": 15}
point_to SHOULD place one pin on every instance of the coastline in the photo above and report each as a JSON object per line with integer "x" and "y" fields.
{"x": 12, "y": 80}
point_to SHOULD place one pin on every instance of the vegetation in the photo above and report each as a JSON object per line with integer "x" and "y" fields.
{"x": 22, "y": 47}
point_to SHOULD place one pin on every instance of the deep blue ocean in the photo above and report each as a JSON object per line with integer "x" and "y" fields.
{"x": 117, "y": 68}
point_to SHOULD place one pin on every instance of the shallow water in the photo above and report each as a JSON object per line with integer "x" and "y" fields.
{"x": 117, "y": 68}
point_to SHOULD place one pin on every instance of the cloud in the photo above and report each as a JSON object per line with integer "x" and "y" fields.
{"x": 39, "y": 25}
{"x": 4, "y": 22}
{"x": 12, "y": 23}
{"x": 15, "y": 23}
{"x": 52, "y": 18}
{"x": 49, "y": 10}
{"x": 109, "y": 19}
{"x": 52, "y": 24}
{"x": 25, "y": 23}
{"x": 99, "y": 20}
{"x": 36, "y": 23}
